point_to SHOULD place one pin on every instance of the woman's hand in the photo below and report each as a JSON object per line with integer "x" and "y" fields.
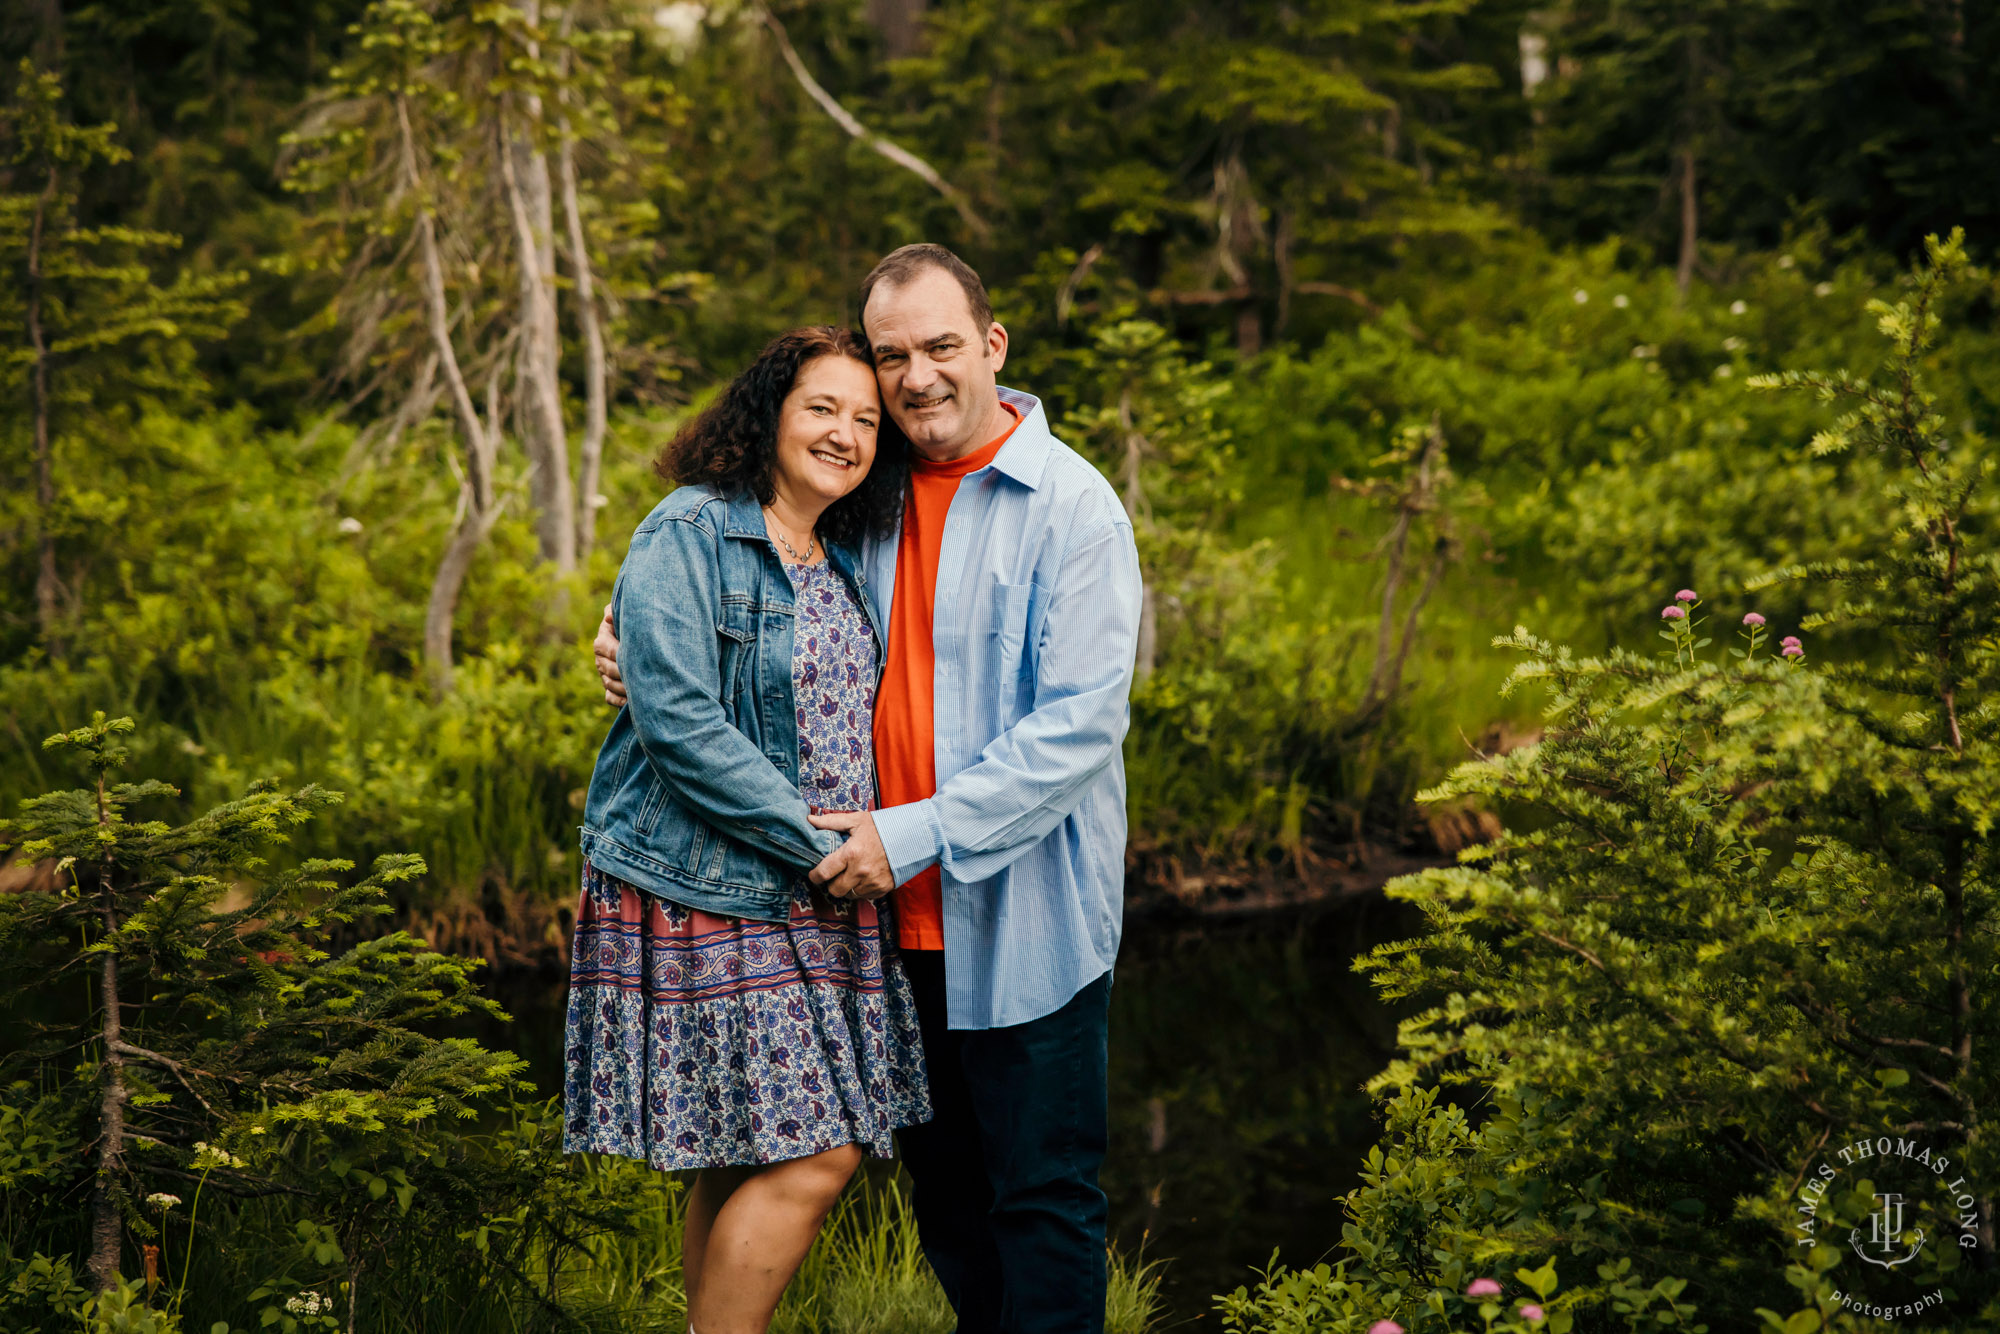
{"x": 605, "y": 647}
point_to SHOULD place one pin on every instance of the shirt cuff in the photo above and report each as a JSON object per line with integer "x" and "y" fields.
{"x": 911, "y": 837}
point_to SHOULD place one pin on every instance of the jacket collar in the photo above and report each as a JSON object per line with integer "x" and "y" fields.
{"x": 744, "y": 517}
{"x": 1025, "y": 456}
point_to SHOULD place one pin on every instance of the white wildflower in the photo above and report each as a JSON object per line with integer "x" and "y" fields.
{"x": 1724, "y": 372}
{"x": 160, "y": 1199}
{"x": 1644, "y": 350}
{"x": 1739, "y": 307}
{"x": 208, "y": 1157}
{"x": 1823, "y": 289}
{"x": 308, "y": 1304}
{"x": 1787, "y": 262}
{"x": 1621, "y": 301}
{"x": 1732, "y": 343}
{"x": 1579, "y": 296}
{"x": 350, "y": 525}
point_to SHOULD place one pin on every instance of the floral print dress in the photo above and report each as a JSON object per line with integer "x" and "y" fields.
{"x": 695, "y": 1040}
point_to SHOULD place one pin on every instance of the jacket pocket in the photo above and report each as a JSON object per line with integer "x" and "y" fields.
{"x": 649, "y": 810}
{"x": 736, "y": 641}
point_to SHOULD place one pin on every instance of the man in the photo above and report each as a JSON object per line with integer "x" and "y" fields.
{"x": 1012, "y": 596}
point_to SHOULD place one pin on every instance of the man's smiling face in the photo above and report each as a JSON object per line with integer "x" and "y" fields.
{"x": 937, "y": 368}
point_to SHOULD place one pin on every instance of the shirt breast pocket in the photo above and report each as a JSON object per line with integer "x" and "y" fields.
{"x": 1015, "y": 607}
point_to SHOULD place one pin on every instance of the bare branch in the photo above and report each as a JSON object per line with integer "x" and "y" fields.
{"x": 842, "y": 117}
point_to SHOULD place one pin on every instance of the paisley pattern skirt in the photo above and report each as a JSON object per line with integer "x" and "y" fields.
{"x": 695, "y": 1040}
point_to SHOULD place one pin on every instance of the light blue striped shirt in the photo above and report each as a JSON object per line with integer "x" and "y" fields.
{"x": 1035, "y": 625}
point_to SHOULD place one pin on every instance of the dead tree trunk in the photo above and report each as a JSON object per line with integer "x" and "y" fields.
{"x": 591, "y": 450}
{"x": 478, "y": 508}
{"x": 1238, "y": 232}
{"x": 1132, "y": 492}
{"x": 1418, "y": 497}
{"x": 524, "y": 171}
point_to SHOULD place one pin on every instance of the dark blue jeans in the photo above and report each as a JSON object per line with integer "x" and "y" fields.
{"x": 1005, "y": 1173}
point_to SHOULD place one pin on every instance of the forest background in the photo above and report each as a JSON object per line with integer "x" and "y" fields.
{"x": 339, "y": 339}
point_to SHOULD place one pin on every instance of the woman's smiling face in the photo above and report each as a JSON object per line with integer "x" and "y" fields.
{"x": 826, "y": 432}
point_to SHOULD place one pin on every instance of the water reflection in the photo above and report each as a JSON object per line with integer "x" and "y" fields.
{"x": 1238, "y": 1051}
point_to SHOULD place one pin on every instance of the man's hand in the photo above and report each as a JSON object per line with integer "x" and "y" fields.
{"x": 605, "y": 646}
{"x": 858, "y": 868}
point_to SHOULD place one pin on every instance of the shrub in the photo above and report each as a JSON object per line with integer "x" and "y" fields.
{"x": 1740, "y": 927}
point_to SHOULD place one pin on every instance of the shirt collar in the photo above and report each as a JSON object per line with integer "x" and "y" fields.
{"x": 1026, "y": 454}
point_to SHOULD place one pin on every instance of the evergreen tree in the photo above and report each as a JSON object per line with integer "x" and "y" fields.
{"x": 231, "y": 1051}
{"x": 86, "y": 326}
{"x": 1677, "y": 120}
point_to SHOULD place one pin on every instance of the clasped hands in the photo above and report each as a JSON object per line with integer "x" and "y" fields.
{"x": 857, "y": 869}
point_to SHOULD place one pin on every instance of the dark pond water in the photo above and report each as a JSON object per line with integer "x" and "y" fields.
{"x": 1238, "y": 1051}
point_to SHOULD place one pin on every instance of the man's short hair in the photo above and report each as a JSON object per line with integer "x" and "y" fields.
{"x": 901, "y": 265}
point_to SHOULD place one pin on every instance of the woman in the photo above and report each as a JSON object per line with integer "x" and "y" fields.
{"x": 722, "y": 1015}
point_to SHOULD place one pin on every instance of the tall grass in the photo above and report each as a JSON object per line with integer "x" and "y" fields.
{"x": 864, "y": 1275}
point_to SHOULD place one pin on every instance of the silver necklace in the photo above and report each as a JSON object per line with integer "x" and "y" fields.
{"x": 812, "y": 542}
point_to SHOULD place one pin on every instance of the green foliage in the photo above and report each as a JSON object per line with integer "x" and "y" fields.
{"x": 1743, "y": 913}
{"x": 243, "y": 1043}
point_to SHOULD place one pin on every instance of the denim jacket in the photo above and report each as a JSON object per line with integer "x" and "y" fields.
{"x": 695, "y": 796}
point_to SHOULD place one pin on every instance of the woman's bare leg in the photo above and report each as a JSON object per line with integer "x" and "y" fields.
{"x": 712, "y": 1188}
{"x": 757, "y": 1238}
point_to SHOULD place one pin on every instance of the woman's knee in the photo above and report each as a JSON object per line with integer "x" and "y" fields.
{"x": 822, "y": 1175}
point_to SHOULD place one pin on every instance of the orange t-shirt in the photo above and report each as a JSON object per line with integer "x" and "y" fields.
{"x": 905, "y": 753}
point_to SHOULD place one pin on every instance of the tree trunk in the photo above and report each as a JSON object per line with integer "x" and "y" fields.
{"x": 1690, "y": 222}
{"x": 46, "y": 585}
{"x": 524, "y": 171}
{"x": 106, "y": 1224}
{"x": 591, "y": 451}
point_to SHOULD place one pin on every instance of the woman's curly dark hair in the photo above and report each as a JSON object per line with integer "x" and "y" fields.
{"x": 733, "y": 444}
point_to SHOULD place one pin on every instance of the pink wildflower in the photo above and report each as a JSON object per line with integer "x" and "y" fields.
{"x": 1687, "y": 595}
{"x": 1752, "y": 618}
{"x": 1482, "y": 1287}
{"x": 1531, "y": 1313}
{"x": 1673, "y": 613}
{"x": 1385, "y": 1327}
{"x": 1793, "y": 650}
